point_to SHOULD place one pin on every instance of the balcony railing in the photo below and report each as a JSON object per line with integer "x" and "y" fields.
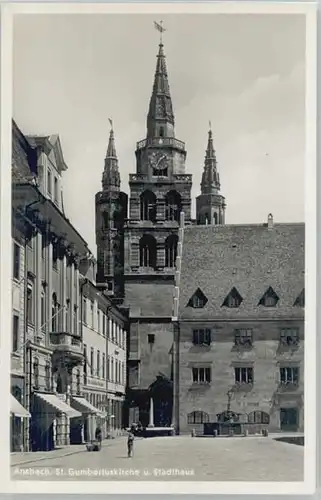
{"x": 62, "y": 341}
{"x": 161, "y": 141}
{"x": 183, "y": 178}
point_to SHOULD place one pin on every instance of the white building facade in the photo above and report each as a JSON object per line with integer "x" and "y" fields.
{"x": 104, "y": 338}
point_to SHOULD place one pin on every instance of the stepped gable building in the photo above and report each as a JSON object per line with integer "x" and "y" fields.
{"x": 137, "y": 250}
{"x": 240, "y": 327}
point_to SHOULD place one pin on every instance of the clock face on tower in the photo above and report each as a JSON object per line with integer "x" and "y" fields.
{"x": 159, "y": 160}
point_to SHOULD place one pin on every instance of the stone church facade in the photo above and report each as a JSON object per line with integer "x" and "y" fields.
{"x": 138, "y": 238}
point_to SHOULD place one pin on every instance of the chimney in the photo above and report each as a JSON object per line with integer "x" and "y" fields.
{"x": 270, "y": 221}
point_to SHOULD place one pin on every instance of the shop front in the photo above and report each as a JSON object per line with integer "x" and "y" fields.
{"x": 50, "y": 421}
{"x": 18, "y": 415}
{"x": 84, "y": 428}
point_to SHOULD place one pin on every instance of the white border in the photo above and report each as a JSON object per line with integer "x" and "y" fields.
{"x": 308, "y": 485}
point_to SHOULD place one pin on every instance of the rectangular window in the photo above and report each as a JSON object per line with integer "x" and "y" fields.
{"x": 43, "y": 246}
{"x": 92, "y": 313}
{"x": 49, "y": 186}
{"x": 201, "y": 375}
{"x": 92, "y": 362}
{"x": 35, "y": 370}
{"x": 98, "y": 321}
{"x": 15, "y": 333}
{"x": 84, "y": 310}
{"x": 98, "y": 364}
{"x": 104, "y": 324}
{"x": 16, "y": 261}
{"x": 202, "y": 336}
{"x": 29, "y": 304}
{"x": 75, "y": 322}
{"x": 151, "y": 338}
{"x": 104, "y": 366}
{"x": 289, "y": 336}
{"x": 48, "y": 376}
{"x": 289, "y": 375}
{"x": 112, "y": 373}
{"x": 43, "y": 311}
{"x": 243, "y": 337}
{"x": 244, "y": 375}
{"x": 56, "y": 189}
{"x": 85, "y": 364}
{"x": 78, "y": 382}
{"x": 108, "y": 368}
{"x": 55, "y": 253}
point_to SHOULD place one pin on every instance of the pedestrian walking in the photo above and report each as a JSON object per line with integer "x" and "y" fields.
{"x": 98, "y": 435}
{"x": 130, "y": 444}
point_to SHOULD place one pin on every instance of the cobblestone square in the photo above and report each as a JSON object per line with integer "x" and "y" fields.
{"x": 178, "y": 458}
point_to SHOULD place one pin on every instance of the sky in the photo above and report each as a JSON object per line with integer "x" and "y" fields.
{"x": 244, "y": 73}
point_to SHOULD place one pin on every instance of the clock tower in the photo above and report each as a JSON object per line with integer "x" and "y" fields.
{"x": 159, "y": 191}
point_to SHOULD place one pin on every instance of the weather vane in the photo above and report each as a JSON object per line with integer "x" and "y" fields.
{"x": 159, "y": 26}
{"x": 111, "y": 123}
{"x": 210, "y": 124}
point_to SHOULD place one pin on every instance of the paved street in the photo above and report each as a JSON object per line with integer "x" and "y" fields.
{"x": 175, "y": 458}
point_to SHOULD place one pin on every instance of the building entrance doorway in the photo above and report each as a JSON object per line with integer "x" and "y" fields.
{"x": 289, "y": 419}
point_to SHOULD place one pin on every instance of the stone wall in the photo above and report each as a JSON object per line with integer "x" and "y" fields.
{"x": 266, "y": 356}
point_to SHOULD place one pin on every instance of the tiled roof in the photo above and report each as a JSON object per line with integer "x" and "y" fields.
{"x": 250, "y": 258}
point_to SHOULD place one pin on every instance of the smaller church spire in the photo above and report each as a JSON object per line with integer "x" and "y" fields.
{"x": 210, "y": 179}
{"x": 210, "y": 204}
{"x": 111, "y": 177}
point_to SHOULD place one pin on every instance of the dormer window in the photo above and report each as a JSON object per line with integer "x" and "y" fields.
{"x": 233, "y": 299}
{"x": 198, "y": 300}
{"x": 300, "y": 300}
{"x": 269, "y": 299}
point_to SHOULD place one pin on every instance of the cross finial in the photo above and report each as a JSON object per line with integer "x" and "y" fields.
{"x": 159, "y": 26}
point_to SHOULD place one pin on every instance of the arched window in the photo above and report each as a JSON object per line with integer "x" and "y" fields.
{"x": 148, "y": 206}
{"x": 171, "y": 250}
{"x": 105, "y": 220}
{"x": 173, "y": 206}
{"x": 59, "y": 384}
{"x": 54, "y": 313}
{"x": 147, "y": 251}
{"x": 215, "y": 218}
{"x": 197, "y": 417}
{"x": 161, "y": 132}
{"x": 259, "y": 417}
{"x": 206, "y": 219}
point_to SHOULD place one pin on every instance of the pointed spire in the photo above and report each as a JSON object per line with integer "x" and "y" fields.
{"x": 111, "y": 177}
{"x": 160, "y": 119}
{"x": 111, "y": 150}
{"x": 210, "y": 178}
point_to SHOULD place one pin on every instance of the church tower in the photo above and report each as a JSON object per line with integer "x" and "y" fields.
{"x": 159, "y": 191}
{"x": 111, "y": 210}
{"x": 210, "y": 204}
